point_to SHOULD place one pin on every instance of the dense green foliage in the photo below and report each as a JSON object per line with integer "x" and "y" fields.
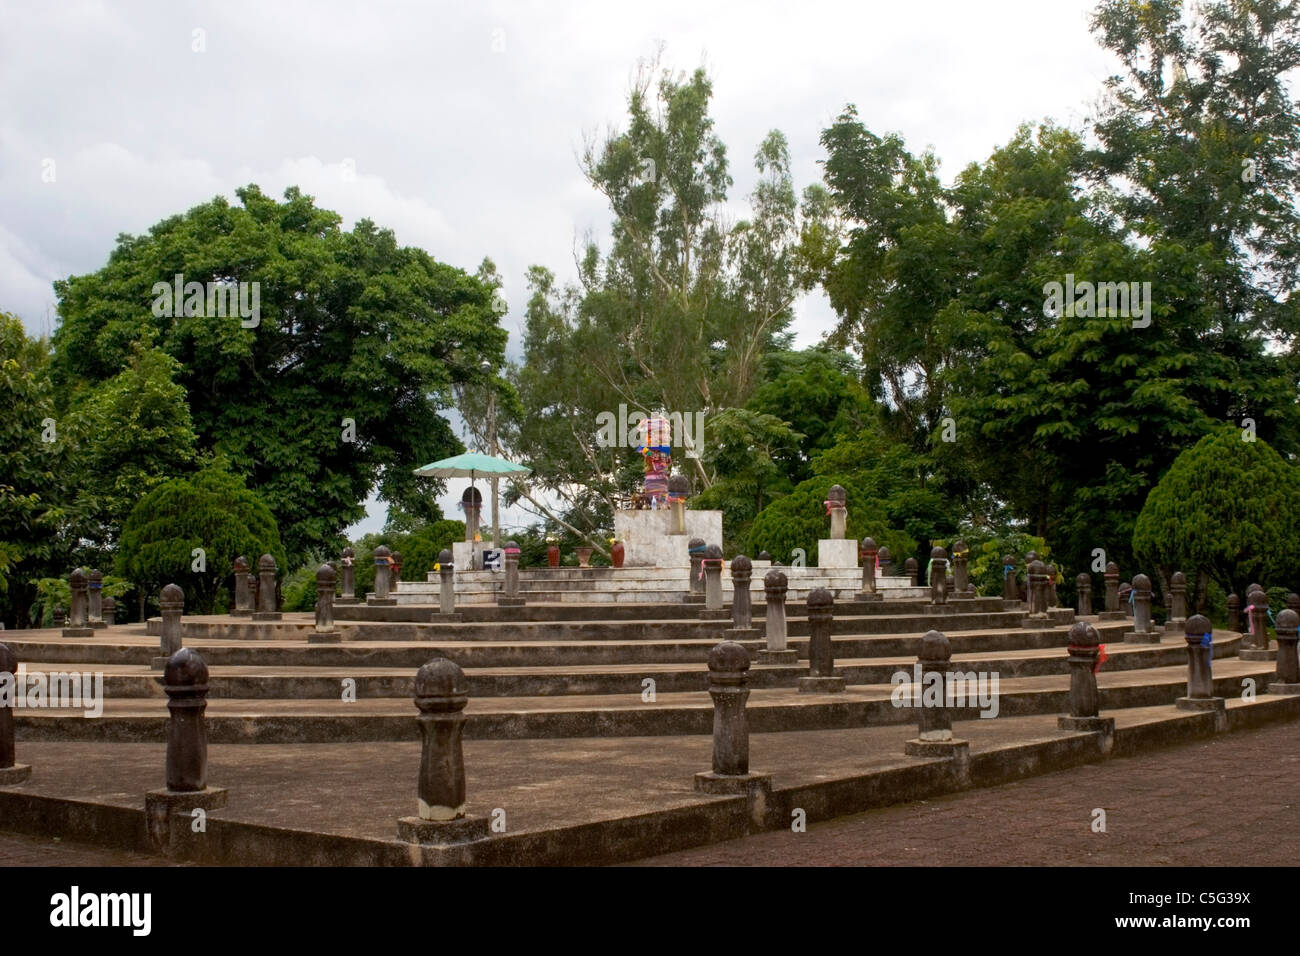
{"x": 1226, "y": 511}
{"x": 212, "y": 511}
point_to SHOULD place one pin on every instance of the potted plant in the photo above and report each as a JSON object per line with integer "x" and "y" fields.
{"x": 552, "y": 552}
{"x": 616, "y": 552}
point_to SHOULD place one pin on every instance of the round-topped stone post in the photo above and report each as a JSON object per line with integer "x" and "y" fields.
{"x": 869, "y": 554}
{"x": 960, "y": 570}
{"x": 821, "y": 678}
{"x": 1009, "y": 590}
{"x": 1143, "y": 631}
{"x": 471, "y": 502}
{"x": 1288, "y": 664}
{"x": 938, "y": 578}
{"x": 267, "y": 608}
{"x": 510, "y": 595}
{"x": 441, "y": 695}
{"x": 1177, "y": 603}
{"x": 1234, "y": 613}
{"x": 95, "y": 593}
{"x": 1293, "y": 602}
{"x": 10, "y": 772}
{"x": 243, "y": 604}
{"x": 1126, "y": 599}
{"x": 382, "y": 569}
{"x": 886, "y": 562}
{"x": 110, "y": 610}
{"x": 1258, "y": 649}
{"x": 447, "y": 587}
{"x": 775, "y": 585}
{"x": 395, "y": 572}
{"x": 1036, "y": 587}
{"x": 185, "y": 681}
{"x": 912, "y": 570}
{"x": 742, "y": 611}
{"x": 254, "y": 591}
{"x": 1084, "y": 652}
{"x": 171, "y": 603}
{"x": 679, "y": 489}
{"x": 1083, "y": 588}
{"x": 78, "y": 607}
{"x": 1051, "y": 586}
{"x": 712, "y": 566}
{"x": 763, "y": 556}
{"x": 324, "y": 631}
{"x": 932, "y": 700}
{"x": 347, "y": 577}
{"x": 60, "y": 616}
{"x": 837, "y": 508}
{"x": 1200, "y": 682}
{"x": 728, "y": 677}
{"x": 1112, "y": 610}
{"x": 695, "y": 549}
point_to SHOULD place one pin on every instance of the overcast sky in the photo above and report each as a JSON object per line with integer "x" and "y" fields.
{"x": 457, "y": 124}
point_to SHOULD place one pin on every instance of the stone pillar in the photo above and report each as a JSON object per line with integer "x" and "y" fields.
{"x": 886, "y": 563}
{"x": 1126, "y": 600}
{"x": 774, "y": 590}
{"x": 712, "y": 562}
{"x": 78, "y": 607}
{"x": 243, "y": 603}
{"x": 60, "y": 616}
{"x": 510, "y": 595}
{"x": 1112, "y": 611}
{"x": 171, "y": 602}
{"x": 471, "y": 502}
{"x": 938, "y": 578}
{"x": 381, "y": 598}
{"x": 440, "y": 696}
{"x": 728, "y": 667}
{"x": 1177, "y": 603}
{"x": 395, "y": 572}
{"x": 348, "y": 574}
{"x": 446, "y": 583}
{"x": 1009, "y": 590}
{"x": 1083, "y": 589}
{"x": 1292, "y": 603}
{"x": 821, "y": 677}
{"x": 1051, "y": 586}
{"x": 742, "y": 612}
{"x": 185, "y": 680}
{"x": 1288, "y": 664}
{"x": 1036, "y": 587}
{"x": 837, "y": 508}
{"x": 679, "y": 489}
{"x": 1234, "y": 613}
{"x": 911, "y": 570}
{"x": 110, "y": 611}
{"x": 1258, "y": 649}
{"x": 324, "y": 631}
{"x": 1200, "y": 681}
{"x": 868, "y": 553}
{"x": 1143, "y": 631}
{"x": 267, "y": 595}
{"x": 10, "y": 772}
{"x": 254, "y": 589}
{"x": 931, "y": 699}
{"x": 95, "y": 587}
{"x": 960, "y": 572}
{"x": 1084, "y": 652}
{"x": 695, "y": 548}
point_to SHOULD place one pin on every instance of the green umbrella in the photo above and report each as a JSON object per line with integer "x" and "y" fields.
{"x": 471, "y": 465}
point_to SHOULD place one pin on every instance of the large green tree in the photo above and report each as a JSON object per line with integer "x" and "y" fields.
{"x": 333, "y": 391}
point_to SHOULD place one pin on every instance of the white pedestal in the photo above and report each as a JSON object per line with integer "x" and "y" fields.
{"x": 837, "y": 553}
{"x": 647, "y": 542}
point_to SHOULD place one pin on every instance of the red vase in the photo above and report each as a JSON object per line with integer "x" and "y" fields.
{"x": 553, "y": 556}
{"x": 616, "y": 553}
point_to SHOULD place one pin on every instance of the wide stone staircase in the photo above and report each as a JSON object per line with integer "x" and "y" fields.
{"x": 608, "y": 669}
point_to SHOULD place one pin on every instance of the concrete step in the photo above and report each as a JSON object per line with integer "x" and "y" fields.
{"x": 769, "y": 710}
